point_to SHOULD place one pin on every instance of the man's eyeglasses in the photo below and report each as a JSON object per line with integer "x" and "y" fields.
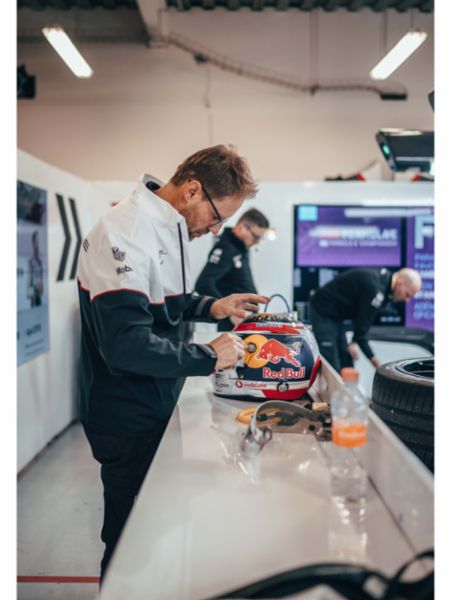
{"x": 220, "y": 219}
{"x": 256, "y": 237}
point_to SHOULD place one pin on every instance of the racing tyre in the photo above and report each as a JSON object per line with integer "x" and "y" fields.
{"x": 403, "y": 397}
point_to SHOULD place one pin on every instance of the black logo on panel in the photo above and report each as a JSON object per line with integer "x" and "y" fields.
{"x": 68, "y": 238}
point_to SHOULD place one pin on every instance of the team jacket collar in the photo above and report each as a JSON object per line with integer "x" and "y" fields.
{"x": 153, "y": 205}
{"x": 386, "y": 278}
{"x": 237, "y": 242}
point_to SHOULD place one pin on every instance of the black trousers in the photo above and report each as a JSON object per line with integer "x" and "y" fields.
{"x": 331, "y": 339}
{"x": 124, "y": 463}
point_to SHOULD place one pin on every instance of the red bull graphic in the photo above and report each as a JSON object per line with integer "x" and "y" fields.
{"x": 283, "y": 373}
{"x": 274, "y": 351}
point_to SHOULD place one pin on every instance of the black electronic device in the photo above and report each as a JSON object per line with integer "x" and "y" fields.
{"x": 406, "y": 149}
{"x": 431, "y": 99}
{"x": 26, "y": 84}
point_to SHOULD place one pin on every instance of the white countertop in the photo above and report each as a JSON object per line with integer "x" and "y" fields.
{"x": 208, "y": 520}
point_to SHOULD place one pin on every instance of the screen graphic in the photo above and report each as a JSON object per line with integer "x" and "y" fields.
{"x": 420, "y": 256}
{"x": 331, "y": 236}
{"x": 332, "y": 239}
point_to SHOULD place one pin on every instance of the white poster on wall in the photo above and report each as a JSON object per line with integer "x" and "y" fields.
{"x": 32, "y": 272}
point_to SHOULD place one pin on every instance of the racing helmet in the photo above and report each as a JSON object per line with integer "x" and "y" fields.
{"x": 280, "y": 362}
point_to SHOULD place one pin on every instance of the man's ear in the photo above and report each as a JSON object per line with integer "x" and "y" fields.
{"x": 192, "y": 189}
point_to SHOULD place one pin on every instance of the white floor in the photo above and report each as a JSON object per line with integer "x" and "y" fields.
{"x": 59, "y": 515}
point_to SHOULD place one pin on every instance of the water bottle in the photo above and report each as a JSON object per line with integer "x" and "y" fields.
{"x": 349, "y": 412}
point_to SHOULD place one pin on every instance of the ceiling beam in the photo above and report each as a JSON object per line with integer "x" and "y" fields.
{"x": 307, "y": 4}
{"x": 84, "y": 4}
{"x": 379, "y": 5}
{"x": 233, "y": 4}
{"x": 355, "y": 5}
{"x": 32, "y": 4}
{"x": 405, "y": 5}
{"x": 109, "y": 4}
{"x": 329, "y": 5}
{"x": 257, "y": 4}
{"x": 60, "y": 4}
{"x": 282, "y": 5}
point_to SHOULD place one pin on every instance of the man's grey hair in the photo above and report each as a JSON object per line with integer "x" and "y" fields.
{"x": 411, "y": 277}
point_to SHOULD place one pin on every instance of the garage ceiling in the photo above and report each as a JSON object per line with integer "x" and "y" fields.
{"x": 425, "y": 6}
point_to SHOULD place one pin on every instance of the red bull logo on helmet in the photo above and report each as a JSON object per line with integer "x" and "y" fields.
{"x": 274, "y": 351}
{"x": 283, "y": 373}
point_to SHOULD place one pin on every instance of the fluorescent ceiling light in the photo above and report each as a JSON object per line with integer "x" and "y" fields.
{"x": 63, "y": 45}
{"x": 399, "y": 53}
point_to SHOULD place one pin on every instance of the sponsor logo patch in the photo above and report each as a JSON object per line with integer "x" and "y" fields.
{"x": 259, "y": 385}
{"x": 118, "y": 254}
{"x": 124, "y": 269}
{"x": 378, "y": 300}
{"x": 216, "y": 255}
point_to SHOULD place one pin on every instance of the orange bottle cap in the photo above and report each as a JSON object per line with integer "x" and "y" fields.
{"x": 349, "y": 374}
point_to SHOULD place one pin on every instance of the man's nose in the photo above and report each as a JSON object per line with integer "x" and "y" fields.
{"x": 215, "y": 228}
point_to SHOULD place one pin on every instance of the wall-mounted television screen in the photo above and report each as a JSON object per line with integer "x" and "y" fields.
{"x": 330, "y": 239}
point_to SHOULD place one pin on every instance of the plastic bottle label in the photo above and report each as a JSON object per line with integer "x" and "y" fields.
{"x": 350, "y": 435}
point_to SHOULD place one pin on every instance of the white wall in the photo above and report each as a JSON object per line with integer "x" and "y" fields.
{"x": 144, "y": 109}
{"x": 46, "y": 385}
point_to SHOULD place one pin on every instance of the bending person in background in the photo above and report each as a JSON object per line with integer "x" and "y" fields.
{"x": 228, "y": 268}
{"x": 134, "y": 290}
{"x": 356, "y": 294}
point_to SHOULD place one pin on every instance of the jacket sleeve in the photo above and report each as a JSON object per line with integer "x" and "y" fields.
{"x": 220, "y": 262}
{"x": 369, "y": 304}
{"x": 199, "y": 309}
{"x": 127, "y": 340}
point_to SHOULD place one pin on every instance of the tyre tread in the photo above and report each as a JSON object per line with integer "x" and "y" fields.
{"x": 406, "y": 405}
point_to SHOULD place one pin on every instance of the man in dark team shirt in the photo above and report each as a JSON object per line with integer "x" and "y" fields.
{"x": 228, "y": 268}
{"x": 356, "y": 294}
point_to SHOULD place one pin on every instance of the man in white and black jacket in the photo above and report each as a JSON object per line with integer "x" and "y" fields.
{"x": 228, "y": 268}
{"x": 356, "y": 294}
{"x": 135, "y": 291}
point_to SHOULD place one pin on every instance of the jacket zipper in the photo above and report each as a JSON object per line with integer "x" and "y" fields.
{"x": 180, "y": 237}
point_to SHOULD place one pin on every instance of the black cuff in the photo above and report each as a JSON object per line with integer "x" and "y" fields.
{"x": 210, "y": 352}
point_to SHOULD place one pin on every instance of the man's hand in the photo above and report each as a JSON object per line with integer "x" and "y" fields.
{"x": 353, "y": 350}
{"x": 237, "y": 305}
{"x": 375, "y": 361}
{"x": 237, "y": 321}
{"x": 229, "y": 349}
